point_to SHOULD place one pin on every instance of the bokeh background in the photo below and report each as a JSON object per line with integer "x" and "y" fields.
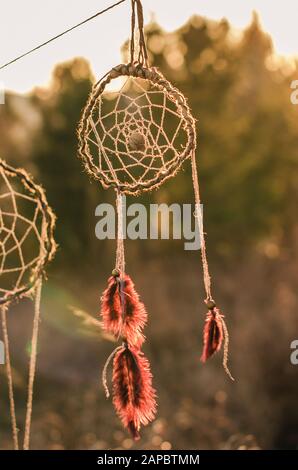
{"x": 248, "y": 163}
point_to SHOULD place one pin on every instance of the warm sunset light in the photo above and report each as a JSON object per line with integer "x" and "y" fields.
{"x": 23, "y": 25}
{"x": 148, "y": 232}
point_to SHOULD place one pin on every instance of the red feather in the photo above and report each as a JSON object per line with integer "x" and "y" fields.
{"x": 111, "y": 311}
{"x": 119, "y": 296}
{"x": 133, "y": 394}
{"x": 135, "y": 314}
{"x": 213, "y": 334}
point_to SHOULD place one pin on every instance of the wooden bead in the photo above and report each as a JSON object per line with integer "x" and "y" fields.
{"x": 137, "y": 141}
{"x": 210, "y": 304}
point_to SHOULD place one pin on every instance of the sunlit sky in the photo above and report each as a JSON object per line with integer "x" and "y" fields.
{"x": 25, "y": 24}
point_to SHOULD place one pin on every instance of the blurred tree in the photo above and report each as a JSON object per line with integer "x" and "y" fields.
{"x": 245, "y": 128}
{"x": 68, "y": 190}
{"x": 247, "y": 152}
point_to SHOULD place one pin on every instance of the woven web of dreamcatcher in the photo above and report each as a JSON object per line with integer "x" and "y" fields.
{"x": 21, "y": 239}
{"x": 136, "y": 136}
{"x": 26, "y": 233}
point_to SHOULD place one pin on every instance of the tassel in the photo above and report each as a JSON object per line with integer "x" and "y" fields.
{"x": 213, "y": 333}
{"x": 122, "y": 311}
{"x": 133, "y": 394}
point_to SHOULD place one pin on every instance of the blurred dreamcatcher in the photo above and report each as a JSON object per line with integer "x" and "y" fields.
{"x": 133, "y": 140}
{"x": 26, "y": 246}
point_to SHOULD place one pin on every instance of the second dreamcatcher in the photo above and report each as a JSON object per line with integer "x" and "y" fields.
{"x": 133, "y": 140}
{"x": 26, "y": 246}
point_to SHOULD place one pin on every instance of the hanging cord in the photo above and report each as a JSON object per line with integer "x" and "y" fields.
{"x": 137, "y": 11}
{"x": 9, "y": 378}
{"x": 62, "y": 34}
{"x": 226, "y": 349}
{"x": 120, "y": 255}
{"x": 199, "y": 217}
{"x": 33, "y": 354}
{"x": 206, "y": 274}
{"x": 32, "y": 366}
{"x": 133, "y": 26}
{"x": 120, "y": 270}
{"x": 105, "y": 371}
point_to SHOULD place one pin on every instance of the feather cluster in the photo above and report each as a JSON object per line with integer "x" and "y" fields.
{"x": 133, "y": 394}
{"x": 124, "y": 315}
{"x": 213, "y": 334}
{"x": 122, "y": 312}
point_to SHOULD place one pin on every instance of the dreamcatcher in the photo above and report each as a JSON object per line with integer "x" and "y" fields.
{"x": 134, "y": 140}
{"x": 26, "y": 246}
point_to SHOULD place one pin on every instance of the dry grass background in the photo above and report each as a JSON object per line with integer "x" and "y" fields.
{"x": 199, "y": 408}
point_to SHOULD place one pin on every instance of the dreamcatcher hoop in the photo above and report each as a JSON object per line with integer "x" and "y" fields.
{"x": 154, "y": 77}
{"x": 123, "y": 148}
{"x": 17, "y": 192}
{"x": 48, "y": 246}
